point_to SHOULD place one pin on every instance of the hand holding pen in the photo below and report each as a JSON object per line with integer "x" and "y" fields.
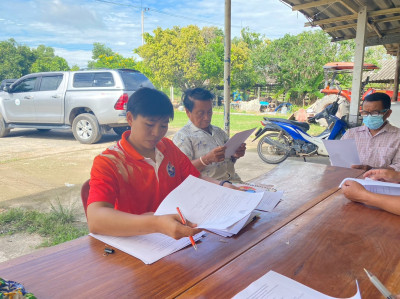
{"x": 184, "y": 223}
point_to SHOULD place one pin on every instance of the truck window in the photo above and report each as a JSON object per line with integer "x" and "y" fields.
{"x": 50, "y": 82}
{"x": 135, "y": 80}
{"x": 25, "y": 85}
{"x": 94, "y": 79}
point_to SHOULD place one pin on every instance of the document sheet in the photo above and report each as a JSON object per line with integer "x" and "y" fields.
{"x": 233, "y": 143}
{"x": 377, "y": 186}
{"x": 342, "y": 153}
{"x": 275, "y": 285}
{"x": 270, "y": 199}
{"x": 209, "y": 205}
{"x": 148, "y": 248}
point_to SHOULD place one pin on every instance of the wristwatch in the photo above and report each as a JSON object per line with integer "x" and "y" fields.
{"x": 223, "y": 182}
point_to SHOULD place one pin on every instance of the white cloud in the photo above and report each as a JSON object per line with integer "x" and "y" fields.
{"x": 74, "y": 57}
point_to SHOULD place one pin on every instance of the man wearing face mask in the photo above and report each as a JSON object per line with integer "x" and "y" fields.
{"x": 377, "y": 141}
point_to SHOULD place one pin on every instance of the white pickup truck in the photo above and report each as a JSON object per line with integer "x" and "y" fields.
{"x": 90, "y": 102}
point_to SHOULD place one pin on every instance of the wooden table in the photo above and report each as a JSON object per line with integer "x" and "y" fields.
{"x": 326, "y": 248}
{"x": 79, "y": 269}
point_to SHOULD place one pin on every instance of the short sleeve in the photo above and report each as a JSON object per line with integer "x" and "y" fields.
{"x": 182, "y": 141}
{"x": 103, "y": 181}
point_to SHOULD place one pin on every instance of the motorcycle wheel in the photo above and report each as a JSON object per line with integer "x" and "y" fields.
{"x": 272, "y": 154}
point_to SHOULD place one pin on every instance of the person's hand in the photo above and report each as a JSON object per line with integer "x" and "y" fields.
{"x": 216, "y": 155}
{"x": 171, "y": 225}
{"x": 363, "y": 167}
{"x": 240, "y": 151}
{"x": 231, "y": 186}
{"x": 353, "y": 190}
{"x": 385, "y": 175}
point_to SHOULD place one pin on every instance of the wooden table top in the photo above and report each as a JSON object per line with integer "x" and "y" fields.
{"x": 326, "y": 248}
{"x": 79, "y": 268}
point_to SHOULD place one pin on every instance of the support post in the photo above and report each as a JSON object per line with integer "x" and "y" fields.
{"x": 358, "y": 66}
{"x": 396, "y": 76}
{"x": 227, "y": 66}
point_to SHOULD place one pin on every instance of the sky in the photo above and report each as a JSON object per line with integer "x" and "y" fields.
{"x": 72, "y": 26}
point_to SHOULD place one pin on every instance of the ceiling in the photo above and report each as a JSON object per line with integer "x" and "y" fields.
{"x": 338, "y": 18}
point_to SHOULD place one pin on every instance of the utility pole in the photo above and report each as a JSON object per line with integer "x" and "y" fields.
{"x": 143, "y": 10}
{"x": 227, "y": 66}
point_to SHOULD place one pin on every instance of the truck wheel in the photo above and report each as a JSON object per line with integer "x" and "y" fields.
{"x": 86, "y": 128}
{"x": 120, "y": 130}
{"x": 3, "y": 130}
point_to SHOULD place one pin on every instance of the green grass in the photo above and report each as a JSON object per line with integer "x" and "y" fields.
{"x": 56, "y": 226}
{"x": 238, "y": 122}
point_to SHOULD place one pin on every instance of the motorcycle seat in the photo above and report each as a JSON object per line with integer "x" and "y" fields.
{"x": 302, "y": 125}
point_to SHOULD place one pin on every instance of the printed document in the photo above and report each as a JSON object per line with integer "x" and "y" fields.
{"x": 377, "y": 186}
{"x": 271, "y": 197}
{"x": 342, "y": 153}
{"x": 275, "y": 285}
{"x": 148, "y": 248}
{"x": 233, "y": 143}
{"x": 209, "y": 205}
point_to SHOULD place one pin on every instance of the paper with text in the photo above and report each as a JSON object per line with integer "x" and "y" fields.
{"x": 274, "y": 285}
{"x": 148, "y": 248}
{"x": 233, "y": 143}
{"x": 377, "y": 186}
{"x": 342, "y": 153}
{"x": 209, "y": 205}
{"x": 269, "y": 201}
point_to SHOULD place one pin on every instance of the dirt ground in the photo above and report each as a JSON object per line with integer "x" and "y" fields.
{"x": 39, "y": 168}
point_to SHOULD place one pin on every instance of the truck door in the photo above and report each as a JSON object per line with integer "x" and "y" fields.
{"x": 49, "y": 100}
{"x": 18, "y": 102}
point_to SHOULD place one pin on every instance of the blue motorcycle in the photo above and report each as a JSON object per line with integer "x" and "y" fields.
{"x": 281, "y": 138}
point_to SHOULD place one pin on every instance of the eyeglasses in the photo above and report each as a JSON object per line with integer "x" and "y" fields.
{"x": 373, "y": 113}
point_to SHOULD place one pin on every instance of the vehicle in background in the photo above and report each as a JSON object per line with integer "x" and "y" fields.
{"x": 90, "y": 102}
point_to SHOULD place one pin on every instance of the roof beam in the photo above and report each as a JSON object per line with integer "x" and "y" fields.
{"x": 353, "y": 17}
{"x": 337, "y": 28}
{"x": 313, "y": 4}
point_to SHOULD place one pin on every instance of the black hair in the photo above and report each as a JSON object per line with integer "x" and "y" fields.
{"x": 379, "y": 96}
{"x": 198, "y": 93}
{"x": 150, "y": 102}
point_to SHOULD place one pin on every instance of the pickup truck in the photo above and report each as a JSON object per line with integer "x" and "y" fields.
{"x": 90, "y": 102}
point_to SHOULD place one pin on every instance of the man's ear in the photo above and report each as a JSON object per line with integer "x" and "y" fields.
{"x": 388, "y": 113}
{"x": 187, "y": 112}
{"x": 129, "y": 118}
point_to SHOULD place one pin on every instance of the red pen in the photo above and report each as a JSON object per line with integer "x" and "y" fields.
{"x": 184, "y": 222}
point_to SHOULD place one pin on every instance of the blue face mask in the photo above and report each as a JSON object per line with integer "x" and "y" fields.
{"x": 373, "y": 122}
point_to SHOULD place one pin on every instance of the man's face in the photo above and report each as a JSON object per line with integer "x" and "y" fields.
{"x": 146, "y": 132}
{"x": 375, "y": 106}
{"x": 201, "y": 114}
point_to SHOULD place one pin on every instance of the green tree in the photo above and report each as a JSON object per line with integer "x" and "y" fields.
{"x": 105, "y": 57}
{"x": 15, "y": 59}
{"x": 46, "y": 60}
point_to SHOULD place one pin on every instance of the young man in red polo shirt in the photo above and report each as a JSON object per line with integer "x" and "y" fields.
{"x": 129, "y": 180}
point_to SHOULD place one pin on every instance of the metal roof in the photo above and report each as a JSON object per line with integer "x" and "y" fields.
{"x": 339, "y": 19}
{"x": 385, "y": 74}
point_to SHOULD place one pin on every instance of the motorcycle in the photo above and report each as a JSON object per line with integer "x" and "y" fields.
{"x": 281, "y": 138}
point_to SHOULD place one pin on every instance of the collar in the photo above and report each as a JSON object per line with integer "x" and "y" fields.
{"x": 130, "y": 150}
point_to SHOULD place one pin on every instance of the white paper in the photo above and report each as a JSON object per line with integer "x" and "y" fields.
{"x": 342, "y": 153}
{"x": 269, "y": 201}
{"x": 148, "y": 248}
{"x": 208, "y": 205}
{"x": 274, "y": 285}
{"x": 233, "y": 143}
{"x": 377, "y": 186}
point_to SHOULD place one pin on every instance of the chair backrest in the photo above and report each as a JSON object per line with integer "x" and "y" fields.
{"x": 85, "y": 194}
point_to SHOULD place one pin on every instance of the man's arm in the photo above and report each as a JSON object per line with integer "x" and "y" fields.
{"x": 356, "y": 192}
{"x": 105, "y": 220}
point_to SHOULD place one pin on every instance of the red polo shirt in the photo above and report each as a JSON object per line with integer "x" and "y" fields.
{"x": 122, "y": 177}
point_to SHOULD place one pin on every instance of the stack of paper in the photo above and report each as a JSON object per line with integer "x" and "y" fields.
{"x": 377, "y": 186}
{"x": 342, "y": 153}
{"x": 218, "y": 209}
{"x": 275, "y": 285}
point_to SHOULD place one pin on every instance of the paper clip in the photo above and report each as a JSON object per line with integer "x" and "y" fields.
{"x": 108, "y": 251}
